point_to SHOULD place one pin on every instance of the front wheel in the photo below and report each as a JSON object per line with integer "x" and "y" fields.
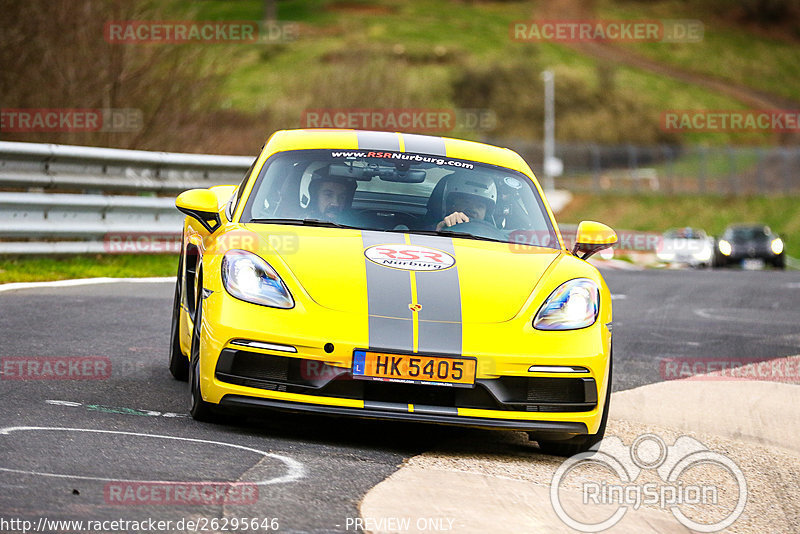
{"x": 178, "y": 362}
{"x": 199, "y": 409}
{"x": 578, "y": 444}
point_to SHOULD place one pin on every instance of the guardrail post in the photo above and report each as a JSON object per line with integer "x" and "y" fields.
{"x": 670, "y": 165}
{"x": 702, "y": 163}
{"x": 732, "y": 177}
{"x": 596, "y": 167}
{"x": 787, "y": 171}
{"x": 760, "y": 185}
{"x": 632, "y": 166}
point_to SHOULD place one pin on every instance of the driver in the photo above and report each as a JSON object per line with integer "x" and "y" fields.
{"x": 330, "y": 196}
{"x": 467, "y": 197}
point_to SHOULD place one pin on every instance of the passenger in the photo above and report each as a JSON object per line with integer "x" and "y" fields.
{"x": 467, "y": 198}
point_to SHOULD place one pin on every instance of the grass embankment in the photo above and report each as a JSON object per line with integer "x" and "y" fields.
{"x": 656, "y": 213}
{"x": 763, "y": 60}
{"x": 35, "y": 269}
{"x": 434, "y": 54}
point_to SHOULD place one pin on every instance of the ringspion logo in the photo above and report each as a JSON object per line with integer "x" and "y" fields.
{"x": 691, "y": 478}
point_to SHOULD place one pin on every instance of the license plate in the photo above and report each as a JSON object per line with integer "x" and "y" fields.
{"x": 413, "y": 369}
{"x": 752, "y": 264}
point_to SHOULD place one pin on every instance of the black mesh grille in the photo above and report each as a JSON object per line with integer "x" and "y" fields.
{"x": 409, "y": 394}
{"x": 547, "y": 390}
{"x": 262, "y": 367}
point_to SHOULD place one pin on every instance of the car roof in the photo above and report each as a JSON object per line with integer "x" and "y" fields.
{"x": 747, "y": 226}
{"x": 312, "y": 138}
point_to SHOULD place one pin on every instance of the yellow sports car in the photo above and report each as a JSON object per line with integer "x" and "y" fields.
{"x": 393, "y": 276}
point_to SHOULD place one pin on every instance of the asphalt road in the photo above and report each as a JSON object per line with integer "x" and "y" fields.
{"x": 131, "y": 423}
{"x": 723, "y": 315}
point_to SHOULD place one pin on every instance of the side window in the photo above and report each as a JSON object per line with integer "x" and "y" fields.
{"x": 237, "y": 193}
{"x": 232, "y": 203}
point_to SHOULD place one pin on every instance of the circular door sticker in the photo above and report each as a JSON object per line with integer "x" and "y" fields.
{"x": 410, "y": 257}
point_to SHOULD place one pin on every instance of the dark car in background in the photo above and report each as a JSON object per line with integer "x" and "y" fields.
{"x": 751, "y": 246}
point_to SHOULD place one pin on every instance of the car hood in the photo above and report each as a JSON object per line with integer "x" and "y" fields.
{"x": 386, "y": 274}
{"x": 756, "y": 242}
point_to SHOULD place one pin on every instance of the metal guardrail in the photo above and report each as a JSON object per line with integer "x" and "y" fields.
{"x": 57, "y": 215}
{"x": 35, "y": 222}
{"x": 63, "y": 167}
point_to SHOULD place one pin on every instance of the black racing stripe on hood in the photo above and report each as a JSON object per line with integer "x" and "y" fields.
{"x": 388, "y": 297}
{"x": 439, "y": 293}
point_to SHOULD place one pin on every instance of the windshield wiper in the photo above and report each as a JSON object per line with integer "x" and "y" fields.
{"x": 450, "y": 233}
{"x": 302, "y": 222}
{"x": 469, "y": 236}
{"x": 329, "y": 224}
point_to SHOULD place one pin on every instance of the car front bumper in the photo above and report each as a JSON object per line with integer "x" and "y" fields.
{"x": 298, "y": 374}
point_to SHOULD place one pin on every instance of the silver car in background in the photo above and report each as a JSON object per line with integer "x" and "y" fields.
{"x": 687, "y": 246}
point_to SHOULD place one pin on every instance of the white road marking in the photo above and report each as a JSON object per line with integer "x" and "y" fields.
{"x": 749, "y": 316}
{"x": 710, "y": 313}
{"x": 84, "y": 282}
{"x": 295, "y": 469}
{"x": 618, "y": 297}
{"x": 116, "y": 409}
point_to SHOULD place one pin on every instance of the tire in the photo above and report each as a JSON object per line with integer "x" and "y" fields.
{"x": 578, "y": 444}
{"x": 199, "y": 409}
{"x": 178, "y": 362}
{"x": 780, "y": 262}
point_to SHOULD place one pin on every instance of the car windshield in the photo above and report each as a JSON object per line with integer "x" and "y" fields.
{"x": 391, "y": 191}
{"x": 748, "y": 234}
{"x": 685, "y": 233}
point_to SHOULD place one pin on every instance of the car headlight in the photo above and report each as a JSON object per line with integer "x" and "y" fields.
{"x": 665, "y": 255}
{"x": 607, "y": 253}
{"x": 248, "y": 277}
{"x": 776, "y": 246}
{"x": 704, "y": 254}
{"x": 574, "y": 304}
{"x": 725, "y": 247}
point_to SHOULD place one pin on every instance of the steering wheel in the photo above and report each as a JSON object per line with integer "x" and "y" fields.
{"x": 479, "y": 229}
